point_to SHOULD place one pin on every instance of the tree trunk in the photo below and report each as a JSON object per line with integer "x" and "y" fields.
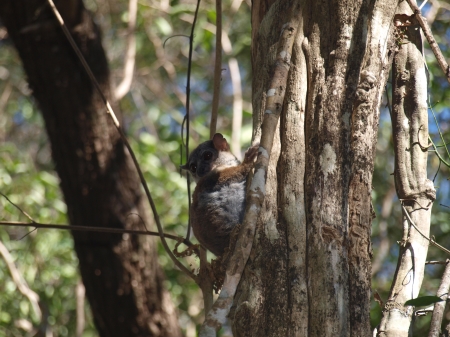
{"x": 124, "y": 283}
{"x": 309, "y": 271}
{"x": 415, "y": 191}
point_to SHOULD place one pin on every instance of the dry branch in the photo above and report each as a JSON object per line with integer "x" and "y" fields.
{"x": 38, "y": 225}
{"x": 431, "y": 40}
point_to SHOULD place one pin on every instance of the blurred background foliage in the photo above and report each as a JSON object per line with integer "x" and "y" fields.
{"x": 153, "y": 111}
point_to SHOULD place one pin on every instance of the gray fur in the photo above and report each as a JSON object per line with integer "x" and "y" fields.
{"x": 219, "y": 197}
{"x": 228, "y": 203}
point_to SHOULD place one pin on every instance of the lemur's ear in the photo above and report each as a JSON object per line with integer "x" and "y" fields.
{"x": 220, "y": 143}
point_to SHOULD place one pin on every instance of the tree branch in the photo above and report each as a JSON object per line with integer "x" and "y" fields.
{"x": 432, "y": 42}
{"x": 217, "y": 70}
{"x": 235, "y": 75}
{"x": 130, "y": 55}
{"x": 439, "y": 307}
{"x": 187, "y": 116}
{"x": 20, "y": 282}
{"x": 38, "y": 225}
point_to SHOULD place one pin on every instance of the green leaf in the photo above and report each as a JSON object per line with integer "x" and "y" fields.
{"x": 423, "y": 301}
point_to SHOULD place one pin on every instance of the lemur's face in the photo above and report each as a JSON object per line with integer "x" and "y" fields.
{"x": 201, "y": 160}
{"x": 208, "y": 156}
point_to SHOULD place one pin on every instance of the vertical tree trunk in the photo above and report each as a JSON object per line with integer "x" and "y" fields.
{"x": 123, "y": 281}
{"x": 309, "y": 271}
{"x": 415, "y": 191}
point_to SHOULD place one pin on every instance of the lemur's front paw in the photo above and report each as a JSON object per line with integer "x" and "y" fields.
{"x": 251, "y": 153}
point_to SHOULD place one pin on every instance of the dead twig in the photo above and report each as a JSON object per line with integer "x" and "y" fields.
{"x": 432, "y": 42}
{"x": 38, "y": 225}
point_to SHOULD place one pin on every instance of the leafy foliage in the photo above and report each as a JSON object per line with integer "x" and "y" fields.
{"x": 424, "y": 301}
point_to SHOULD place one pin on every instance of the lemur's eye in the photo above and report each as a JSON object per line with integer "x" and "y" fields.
{"x": 207, "y": 155}
{"x": 193, "y": 168}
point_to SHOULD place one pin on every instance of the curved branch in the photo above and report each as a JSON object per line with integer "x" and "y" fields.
{"x": 434, "y": 243}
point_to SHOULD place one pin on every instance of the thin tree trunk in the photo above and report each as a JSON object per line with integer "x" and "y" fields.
{"x": 415, "y": 191}
{"x": 123, "y": 281}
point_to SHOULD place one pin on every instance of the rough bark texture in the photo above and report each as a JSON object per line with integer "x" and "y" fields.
{"x": 309, "y": 271}
{"x": 291, "y": 194}
{"x": 364, "y": 125}
{"x": 122, "y": 278}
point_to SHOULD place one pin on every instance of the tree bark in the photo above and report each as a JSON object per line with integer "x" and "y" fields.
{"x": 415, "y": 191}
{"x": 124, "y": 283}
{"x": 309, "y": 271}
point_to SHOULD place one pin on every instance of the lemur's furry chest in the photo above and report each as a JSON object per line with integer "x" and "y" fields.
{"x": 216, "y": 209}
